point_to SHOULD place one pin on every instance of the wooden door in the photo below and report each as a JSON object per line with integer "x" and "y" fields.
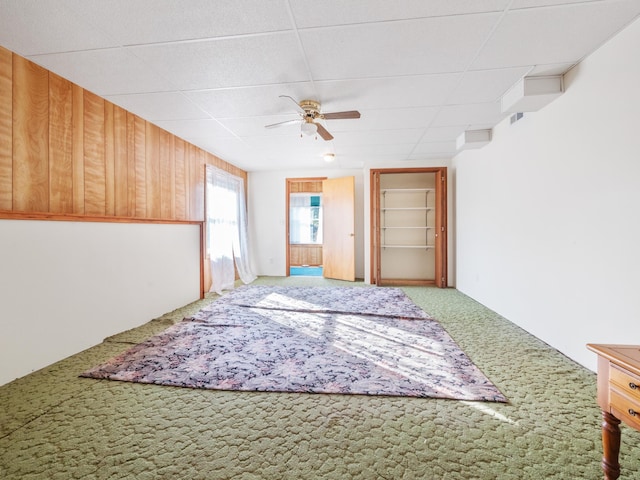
{"x": 339, "y": 228}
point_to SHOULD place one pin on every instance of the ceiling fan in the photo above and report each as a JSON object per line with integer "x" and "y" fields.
{"x": 309, "y": 111}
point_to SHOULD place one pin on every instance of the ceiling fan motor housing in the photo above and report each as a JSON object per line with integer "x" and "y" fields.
{"x": 311, "y": 108}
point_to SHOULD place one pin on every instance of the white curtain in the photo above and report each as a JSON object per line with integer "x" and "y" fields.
{"x": 227, "y": 240}
{"x": 302, "y": 227}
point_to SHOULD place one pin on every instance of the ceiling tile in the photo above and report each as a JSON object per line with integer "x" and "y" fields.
{"x": 172, "y": 20}
{"x": 255, "y": 126}
{"x": 544, "y": 3}
{"x": 382, "y": 137}
{"x": 306, "y": 151}
{"x": 438, "y": 134}
{"x": 110, "y": 71}
{"x": 444, "y": 157}
{"x": 195, "y": 128}
{"x": 485, "y": 85}
{"x": 386, "y": 119}
{"x": 448, "y": 147}
{"x": 551, "y": 69}
{"x": 252, "y": 101}
{"x": 408, "y": 47}
{"x": 58, "y": 28}
{"x": 230, "y": 149}
{"x": 386, "y": 92}
{"x": 481, "y": 113}
{"x": 227, "y": 62}
{"x": 311, "y": 13}
{"x": 397, "y": 149}
{"x": 372, "y": 158}
{"x": 562, "y": 34}
{"x": 299, "y": 145}
{"x": 159, "y": 106}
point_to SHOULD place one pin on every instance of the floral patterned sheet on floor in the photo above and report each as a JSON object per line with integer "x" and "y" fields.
{"x": 348, "y": 340}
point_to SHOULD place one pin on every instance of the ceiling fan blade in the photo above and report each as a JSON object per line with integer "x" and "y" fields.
{"x": 341, "y": 115}
{"x": 299, "y": 109}
{"x": 323, "y": 132}
{"x": 279, "y": 124}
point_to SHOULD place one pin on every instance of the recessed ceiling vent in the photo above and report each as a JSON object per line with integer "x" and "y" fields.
{"x": 516, "y": 116}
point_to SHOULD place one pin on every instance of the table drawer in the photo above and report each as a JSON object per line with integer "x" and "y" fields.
{"x": 625, "y": 381}
{"x": 625, "y": 408}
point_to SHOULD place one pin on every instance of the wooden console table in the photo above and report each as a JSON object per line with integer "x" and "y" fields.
{"x": 618, "y": 397}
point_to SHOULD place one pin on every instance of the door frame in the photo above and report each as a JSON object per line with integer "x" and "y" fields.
{"x": 440, "y": 279}
{"x": 288, "y": 190}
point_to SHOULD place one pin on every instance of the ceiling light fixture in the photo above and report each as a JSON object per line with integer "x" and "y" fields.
{"x": 309, "y": 128}
{"x": 329, "y": 157}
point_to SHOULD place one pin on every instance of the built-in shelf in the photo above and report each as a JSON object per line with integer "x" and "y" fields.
{"x": 413, "y": 202}
{"x": 409, "y": 226}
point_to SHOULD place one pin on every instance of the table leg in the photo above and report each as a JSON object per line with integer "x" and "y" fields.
{"x": 610, "y": 446}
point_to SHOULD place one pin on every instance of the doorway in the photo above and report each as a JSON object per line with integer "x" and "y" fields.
{"x": 304, "y": 222}
{"x": 321, "y": 233}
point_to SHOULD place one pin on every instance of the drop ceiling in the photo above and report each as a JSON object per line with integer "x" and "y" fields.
{"x": 421, "y": 72}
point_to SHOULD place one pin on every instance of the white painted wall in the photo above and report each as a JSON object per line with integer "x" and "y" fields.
{"x": 267, "y": 205}
{"x": 548, "y": 229}
{"x": 65, "y": 286}
{"x": 267, "y": 213}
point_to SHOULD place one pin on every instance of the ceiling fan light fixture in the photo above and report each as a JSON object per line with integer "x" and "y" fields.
{"x": 309, "y": 128}
{"x": 329, "y": 157}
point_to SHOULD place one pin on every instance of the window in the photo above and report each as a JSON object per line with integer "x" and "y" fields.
{"x": 305, "y": 218}
{"x": 227, "y": 245}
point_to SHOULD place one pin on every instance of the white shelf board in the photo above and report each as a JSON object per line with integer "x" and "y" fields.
{"x": 409, "y": 246}
{"x": 385, "y": 209}
{"x": 404, "y": 228}
{"x": 406, "y": 190}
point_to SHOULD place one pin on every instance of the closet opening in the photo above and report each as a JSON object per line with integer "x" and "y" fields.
{"x": 408, "y": 226}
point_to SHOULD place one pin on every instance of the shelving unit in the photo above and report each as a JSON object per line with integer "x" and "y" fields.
{"x": 407, "y": 223}
{"x": 413, "y": 217}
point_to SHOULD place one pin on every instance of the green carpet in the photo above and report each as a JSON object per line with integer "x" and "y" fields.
{"x": 54, "y": 425}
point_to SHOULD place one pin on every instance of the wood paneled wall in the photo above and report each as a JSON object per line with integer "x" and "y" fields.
{"x": 311, "y": 185}
{"x": 305, "y": 255}
{"x": 65, "y": 150}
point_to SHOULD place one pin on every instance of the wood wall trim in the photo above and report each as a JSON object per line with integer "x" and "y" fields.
{"x": 374, "y": 250}
{"x": 74, "y": 217}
